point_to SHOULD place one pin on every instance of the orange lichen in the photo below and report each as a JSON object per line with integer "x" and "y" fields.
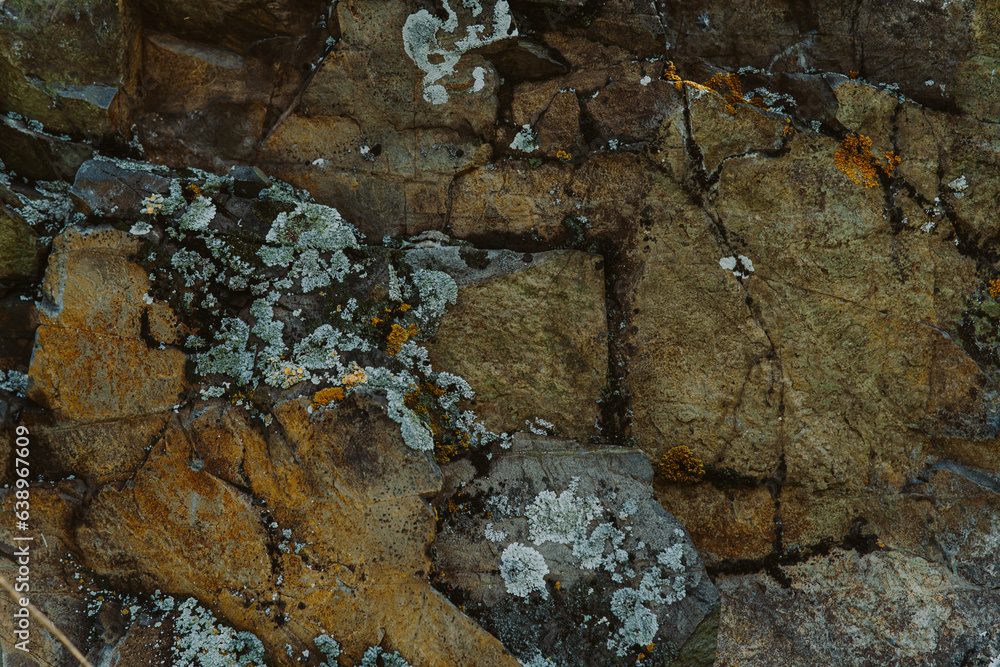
{"x": 398, "y": 336}
{"x": 789, "y": 129}
{"x": 855, "y": 158}
{"x": 680, "y": 466}
{"x": 356, "y": 376}
{"x": 728, "y": 85}
{"x": 327, "y": 396}
{"x": 994, "y": 287}
{"x": 670, "y": 74}
{"x": 152, "y": 204}
{"x": 853, "y": 74}
{"x": 563, "y": 155}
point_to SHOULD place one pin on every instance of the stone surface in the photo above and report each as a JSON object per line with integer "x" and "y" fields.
{"x": 233, "y": 24}
{"x": 111, "y": 190}
{"x": 886, "y": 607}
{"x": 329, "y": 516}
{"x": 586, "y": 490}
{"x": 793, "y": 206}
{"x": 97, "y": 358}
{"x": 53, "y": 589}
{"x": 38, "y": 154}
{"x": 531, "y": 343}
{"x": 71, "y": 68}
{"x": 352, "y": 139}
{"x": 553, "y": 203}
{"x": 19, "y": 256}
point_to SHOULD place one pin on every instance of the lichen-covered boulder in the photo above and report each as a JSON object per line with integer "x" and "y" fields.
{"x": 562, "y": 551}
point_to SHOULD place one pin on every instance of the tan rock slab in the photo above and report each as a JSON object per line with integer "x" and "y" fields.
{"x": 532, "y": 344}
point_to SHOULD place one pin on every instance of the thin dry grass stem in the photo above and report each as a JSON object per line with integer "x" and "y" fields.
{"x": 46, "y": 623}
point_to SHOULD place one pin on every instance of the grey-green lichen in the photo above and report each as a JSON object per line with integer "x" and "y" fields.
{"x": 291, "y": 299}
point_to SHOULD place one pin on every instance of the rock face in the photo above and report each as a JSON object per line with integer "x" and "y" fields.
{"x": 332, "y": 528}
{"x": 759, "y": 240}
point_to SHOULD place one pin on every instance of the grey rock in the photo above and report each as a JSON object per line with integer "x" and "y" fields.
{"x": 116, "y": 192}
{"x": 248, "y": 181}
{"x": 590, "y": 513}
{"x": 883, "y": 608}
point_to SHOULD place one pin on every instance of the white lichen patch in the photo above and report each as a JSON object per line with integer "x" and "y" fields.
{"x": 260, "y": 310}
{"x": 523, "y": 570}
{"x": 203, "y": 642}
{"x": 14, "y": 382}
{"x": 524, "y": 140}
{"x": 960, "y": 184}
{"x": 741, "y": 266}
{"x": 644, "y": 581}
{"x": 562, "y": 519}
{"x": 426, "y": 41}
{"x": 494, "y": 535}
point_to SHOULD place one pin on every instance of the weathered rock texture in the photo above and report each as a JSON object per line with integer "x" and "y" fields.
{"x": 764, "y": 231}
{"x": 531, "y": 341}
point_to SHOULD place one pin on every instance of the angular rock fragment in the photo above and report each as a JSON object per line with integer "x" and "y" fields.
{"x": 527, "y": 332}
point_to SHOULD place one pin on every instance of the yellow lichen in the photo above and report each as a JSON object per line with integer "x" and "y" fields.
{"x": 680, "y": 466}
{"x": 994, "y": 287}
{"x": 670, "y": 74}
{"x": 327, "y": 396}
{"x": 563, "y": 155}
{"x": 855, "y": 158}
{"x": 398, "y": 336}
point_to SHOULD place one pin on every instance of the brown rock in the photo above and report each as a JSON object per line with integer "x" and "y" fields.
{"x": 235, "y": 24}
{"x": 703, "y": 373}
{"x": 555, "y": 202}
{"x": 92, "y": 363}
{"x": 39, "y": 155}
{"x": 559, "y": 127}
{"x": 385, "y": 182}
{"x": 53, "y": 588}
{"x": 71, "y": 68}
{"x": 532, "y": 344}
{"x": 345, "y": 532}
{"x": 19, "y": 255}
{"x": 206, "y": 105}
{"x": 725, "y": 130}
{"x": 733, "y": 524}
